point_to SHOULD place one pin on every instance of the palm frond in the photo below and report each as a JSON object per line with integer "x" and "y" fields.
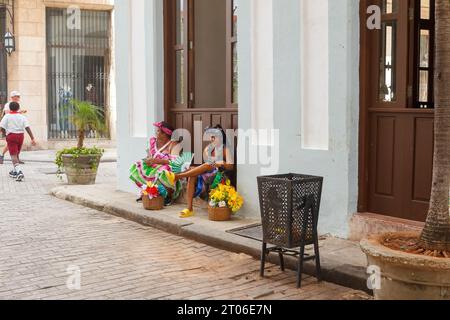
{"x": 86, "y": 116}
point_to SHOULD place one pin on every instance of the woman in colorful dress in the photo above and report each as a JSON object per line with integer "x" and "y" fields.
{"x": 218, "y": 162}
{"x": 157, "y": 164}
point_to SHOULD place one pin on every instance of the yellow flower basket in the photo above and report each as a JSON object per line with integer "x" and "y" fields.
{"x": 225, "y": 200}
{"x": 219, "y": 214}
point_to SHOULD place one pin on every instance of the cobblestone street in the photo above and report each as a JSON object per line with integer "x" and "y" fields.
{"x": 43, "y": 240}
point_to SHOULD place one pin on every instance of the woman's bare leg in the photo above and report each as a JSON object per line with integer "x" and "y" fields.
{"x": 195, "y": 172}
{"x": 190, "y": 192}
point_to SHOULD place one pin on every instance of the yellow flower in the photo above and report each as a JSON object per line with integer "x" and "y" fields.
{"x": 228, "y": 194}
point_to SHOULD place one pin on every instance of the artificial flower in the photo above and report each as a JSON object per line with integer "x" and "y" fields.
{"x": 226, "y": 196}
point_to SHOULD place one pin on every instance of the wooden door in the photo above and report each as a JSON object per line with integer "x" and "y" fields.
{"x": 397, "y": 116}
{"x": 201, "y": 63}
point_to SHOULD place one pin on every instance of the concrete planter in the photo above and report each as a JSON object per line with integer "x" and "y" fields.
{"x": 407, "y": 276}
{"x": 81, "y": 170}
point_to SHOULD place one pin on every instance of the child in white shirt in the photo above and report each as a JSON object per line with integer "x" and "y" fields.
{"x": 15, "y": 97}
{"x": 14, "y": 125}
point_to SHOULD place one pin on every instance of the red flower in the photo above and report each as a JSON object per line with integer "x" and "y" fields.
{"x": 153, "y": 192}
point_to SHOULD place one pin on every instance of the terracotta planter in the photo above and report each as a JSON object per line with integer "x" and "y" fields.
{"x": 153, "y": 204}
{"x": 81, "y": 170}
{"x": 219, "y": 214}
{"x": 407, "y": 276}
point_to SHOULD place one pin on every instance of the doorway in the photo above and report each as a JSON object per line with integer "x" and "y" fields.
{"x": 397, "y": 109}
{"x": 201, "y": 63}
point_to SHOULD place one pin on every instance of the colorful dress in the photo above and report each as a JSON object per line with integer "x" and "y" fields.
{"x": 141, "y": 173}
{"x": 207, "y": 181}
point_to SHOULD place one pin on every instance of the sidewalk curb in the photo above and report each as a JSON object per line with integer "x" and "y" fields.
{"x": 332, "y": 271}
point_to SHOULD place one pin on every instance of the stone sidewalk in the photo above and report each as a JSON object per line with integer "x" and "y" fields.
{"x": 45, "y": 242}
{"x": 343, "y": 262}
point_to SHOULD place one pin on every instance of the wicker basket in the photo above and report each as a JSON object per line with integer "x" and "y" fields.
{"x": 219, "y": 214}
{"x": 153, "y": 204}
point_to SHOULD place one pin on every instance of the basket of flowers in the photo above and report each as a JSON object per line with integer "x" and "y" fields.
{"x": 152, "y": 198}
{"x": 224, "y": 201}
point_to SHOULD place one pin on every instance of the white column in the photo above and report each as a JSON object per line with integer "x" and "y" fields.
{"x": 138, "y": 83}
{"x": 315, "y": 74}
{"x": 262, "y": 68}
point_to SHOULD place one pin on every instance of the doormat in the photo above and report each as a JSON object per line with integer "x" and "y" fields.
{"x": 254, "y": 232}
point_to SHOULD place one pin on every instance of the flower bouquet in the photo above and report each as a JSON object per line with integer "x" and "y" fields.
{"x": 224, "y": 201}
{"x": 152, "y": 198}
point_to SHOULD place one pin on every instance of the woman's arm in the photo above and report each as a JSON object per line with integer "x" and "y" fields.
{"x": 174, "y": 150}
{"x": 206, "y": 155}
{"x": 161, "y": 162}
{"x": 228, "y": 164}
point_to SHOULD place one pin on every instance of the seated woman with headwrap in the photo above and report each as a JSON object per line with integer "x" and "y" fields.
{"x": 155, "y": 167}
{"x": 218, "y": 163}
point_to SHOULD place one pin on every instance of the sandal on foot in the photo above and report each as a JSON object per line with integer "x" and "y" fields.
{"x": 186, "y": 213}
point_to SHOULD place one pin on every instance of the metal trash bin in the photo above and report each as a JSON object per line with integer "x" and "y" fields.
{"x": 290, "y": 205}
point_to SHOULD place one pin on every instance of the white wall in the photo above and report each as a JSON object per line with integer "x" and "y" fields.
{"x": 315, "y": 74}
{"x": 138, "y": 76}
{"x": 262, "y": 67}
{"x": 318, "y": 125}
{"x": 139, "y": 80}
{"x": 272, "y": 78}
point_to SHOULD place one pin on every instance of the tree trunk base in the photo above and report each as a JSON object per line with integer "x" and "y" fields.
{"x": 405, "y": 276}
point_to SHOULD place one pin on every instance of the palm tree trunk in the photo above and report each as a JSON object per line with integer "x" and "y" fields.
{"x": 81, "y": 134}
{"x": 436, "y": 235}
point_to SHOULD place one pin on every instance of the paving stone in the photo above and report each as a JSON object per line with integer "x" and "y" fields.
{"x": 42, "y": 237}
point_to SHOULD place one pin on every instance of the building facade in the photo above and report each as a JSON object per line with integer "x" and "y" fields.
{"x": 63, "y": 50}
{"x": 314, "y": 86}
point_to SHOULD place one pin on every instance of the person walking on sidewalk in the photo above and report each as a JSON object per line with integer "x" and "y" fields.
{"x": 14, "y": 125}
{"x": 15, "y": 97}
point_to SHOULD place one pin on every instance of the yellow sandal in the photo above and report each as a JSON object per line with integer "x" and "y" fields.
{"x": 186, "y": 213}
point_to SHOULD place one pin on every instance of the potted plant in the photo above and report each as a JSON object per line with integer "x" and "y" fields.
{"x": 152, "y": 198}
{"x": 80, "y": 164}
{"x": 417, "y": 266}
{"x": 224, "y": 201}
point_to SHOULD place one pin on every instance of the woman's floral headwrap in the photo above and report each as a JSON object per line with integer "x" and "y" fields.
{"x": 165, "y": 127}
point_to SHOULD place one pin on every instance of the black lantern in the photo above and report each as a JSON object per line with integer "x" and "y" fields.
{"x": 10, "y": 43}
